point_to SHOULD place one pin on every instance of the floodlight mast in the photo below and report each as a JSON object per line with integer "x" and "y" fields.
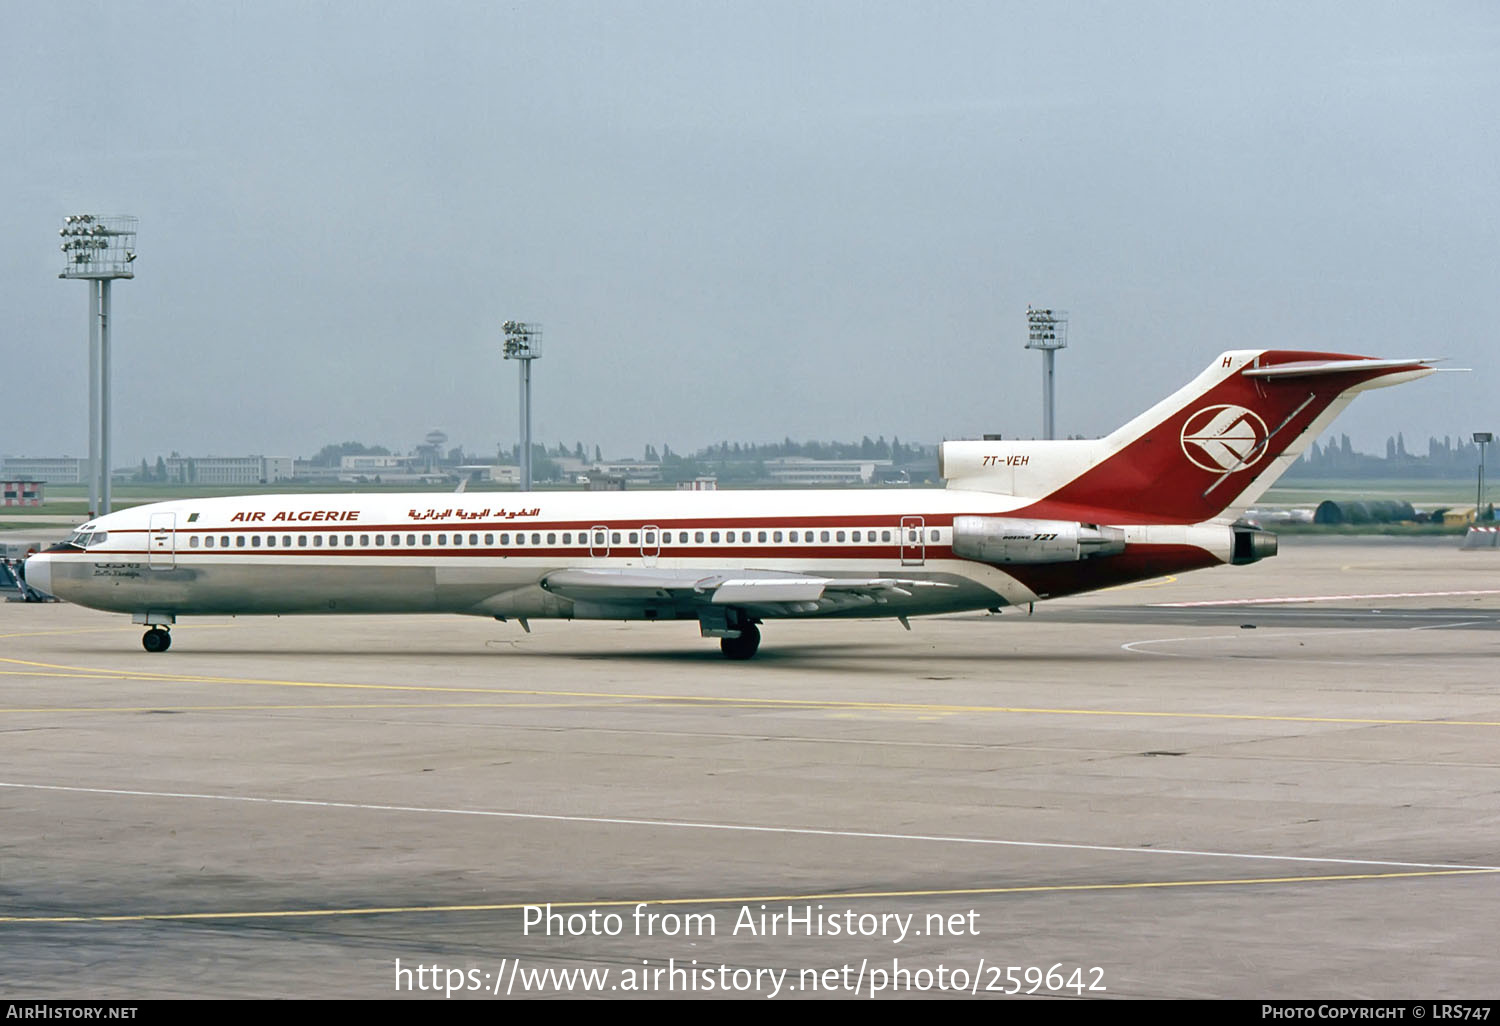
{"x": 1482, "y": 439}
{"x": 98, "y": 250}
{"x": 523, "y": 341}
{"x": 1047, "y": 330}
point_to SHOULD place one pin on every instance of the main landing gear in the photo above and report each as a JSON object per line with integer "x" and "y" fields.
{"x": 744, "y": 646}
{"x": 157, "y": 639}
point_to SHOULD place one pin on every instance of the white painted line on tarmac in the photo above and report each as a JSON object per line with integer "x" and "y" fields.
{"x": 738, "y": 827}
{"x": 1130, "y": 646}
{"x": 1323, "y": 598}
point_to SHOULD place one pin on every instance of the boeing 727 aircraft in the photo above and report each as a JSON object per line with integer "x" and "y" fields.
{"x": 1018, "y": 522}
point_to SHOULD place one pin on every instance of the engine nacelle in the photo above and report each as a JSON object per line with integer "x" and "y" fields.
{"x": 1251, "y": 545}
{"x": 1012, "y": 540}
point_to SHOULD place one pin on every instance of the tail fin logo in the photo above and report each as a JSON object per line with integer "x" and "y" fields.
{"x": 1222, "y": 438}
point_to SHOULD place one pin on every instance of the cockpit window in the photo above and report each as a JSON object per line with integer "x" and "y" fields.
{"x": 99, "y": 538}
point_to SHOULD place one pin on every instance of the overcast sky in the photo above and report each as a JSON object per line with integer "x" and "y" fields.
{"x": 736, "y": 220}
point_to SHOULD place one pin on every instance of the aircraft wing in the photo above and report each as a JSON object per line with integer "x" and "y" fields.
{"x": 772, "y": 591}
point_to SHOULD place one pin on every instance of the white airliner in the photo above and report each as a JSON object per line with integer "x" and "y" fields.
{"x": 1018, "y": 522}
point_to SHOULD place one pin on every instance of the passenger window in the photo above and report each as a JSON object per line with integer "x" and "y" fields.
{"x": 932, "y": 535}
{"x": 333, "y": 540}
{"x": 255, "y": 542}
{"x": 536, "y": 539}
{"x": 776, "y": 536}
{"x": 317, "y": 541}
{"x": 380, "y": 540}
{"x": 855, "y": 536}
{"x": 270, "y": 541}
{"x": 364, "y": 541}
{"x": 489, "y": 539}
{"x": 193, "y": 542}
{"x": 473, "y": 539}
{"x": 792, "y": 537}
{"x": 442, "y": 539}
{"x": 635, "y": 538}
{"x": 839, "y": 536}
{"x": 426, "y": 539}
{"x": 824, "y": 536}
{"x": 301, "y": 541}
{"x": 239, "y": 541}
{"x": 568, "y": 537}
{"x": 520, "y": 539}
{"x": 761, "y": 536}
{"x": 807, "y": 536}
{"x": 551, "y": 538}
{"x": 208, "y": 542}
{"x": 224, "y": 542}
{"x": 682, "y": 537}
{"x": 505, "y": 539}
{"x": 598, "y": 539}
{"x": 650, "y": 537}
{"x": 614, "y": 537}
{"x": 885, "y": 536}
{"x": 713, "y": 536}
{"x": 698, "y": 536}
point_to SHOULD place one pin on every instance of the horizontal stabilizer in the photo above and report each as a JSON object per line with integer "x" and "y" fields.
{"x": 1307, "y": 368}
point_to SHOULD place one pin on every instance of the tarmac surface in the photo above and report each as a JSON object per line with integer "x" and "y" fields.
{"x": 1179, "y": 789}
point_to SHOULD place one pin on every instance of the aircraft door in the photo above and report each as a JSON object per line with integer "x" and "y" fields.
{"x": 913, "y": 548}
{"x": 163, "y": 541}
{"x": 599, "y": 541}
{"x": 650, "y": 544}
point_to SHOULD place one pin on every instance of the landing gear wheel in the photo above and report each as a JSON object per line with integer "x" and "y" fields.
{"x": 744, "y": 646}
{"x": 157, "y": 639}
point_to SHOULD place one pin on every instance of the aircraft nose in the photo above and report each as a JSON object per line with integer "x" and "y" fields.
{"x": 39, "y": 573}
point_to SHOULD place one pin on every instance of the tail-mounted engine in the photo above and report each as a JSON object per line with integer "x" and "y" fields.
{"x": 1010, "y": 540}
{"x": 1251, "y": 545}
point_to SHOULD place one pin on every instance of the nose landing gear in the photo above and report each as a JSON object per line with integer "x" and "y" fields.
{"x": 157, "y": 639}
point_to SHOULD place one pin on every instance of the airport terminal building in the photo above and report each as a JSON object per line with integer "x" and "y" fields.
{"x": 48, "y": 469}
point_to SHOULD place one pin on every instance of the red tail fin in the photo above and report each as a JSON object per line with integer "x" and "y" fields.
{"x": 1220, "y": 442}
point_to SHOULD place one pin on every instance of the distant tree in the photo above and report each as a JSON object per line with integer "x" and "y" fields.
{"x": 161, "y": 470}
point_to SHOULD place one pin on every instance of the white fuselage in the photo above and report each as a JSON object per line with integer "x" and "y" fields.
{"x": 490, "y": 553}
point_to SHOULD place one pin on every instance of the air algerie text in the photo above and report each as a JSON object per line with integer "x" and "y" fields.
{"x": 259, "y": 517}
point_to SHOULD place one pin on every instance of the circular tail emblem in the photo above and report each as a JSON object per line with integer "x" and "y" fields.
{"x": 1220, "y": 438}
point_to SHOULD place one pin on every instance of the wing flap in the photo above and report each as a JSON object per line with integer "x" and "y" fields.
{"x": 726, "y": 587}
